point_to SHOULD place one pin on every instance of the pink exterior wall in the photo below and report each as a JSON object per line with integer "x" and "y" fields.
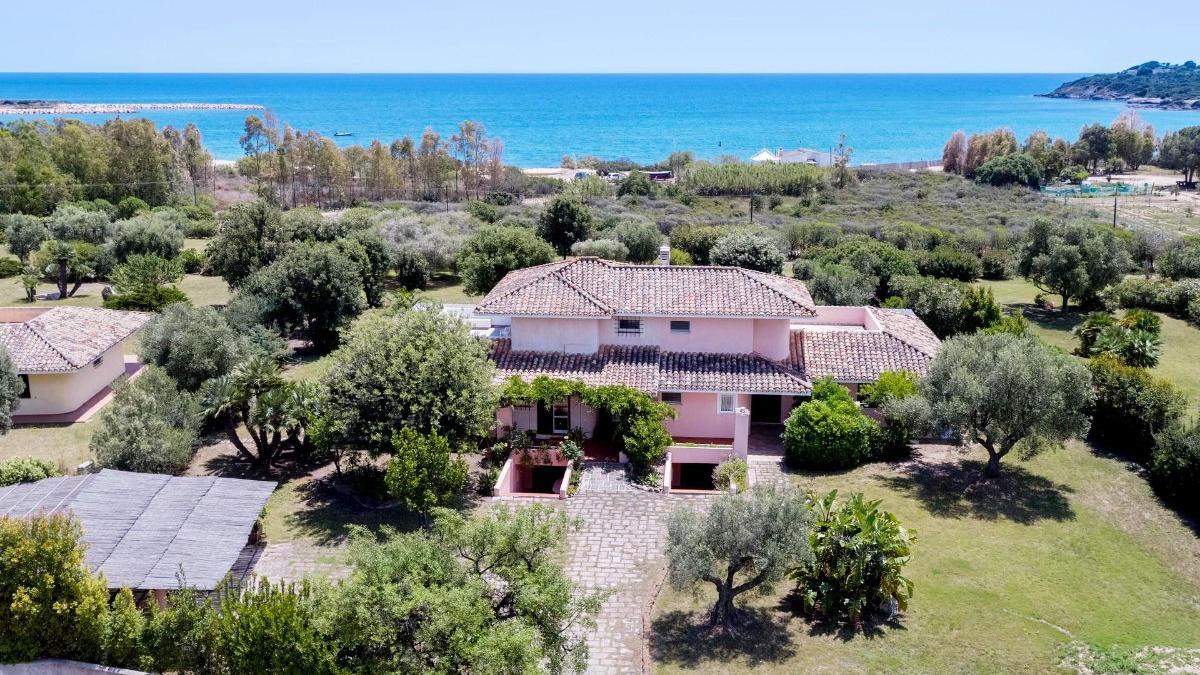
{"x": 698, "y": 418}
{"x": 573, "y": 336}
{"x": 772, "y": 338}
{"x": 832, "y": 315}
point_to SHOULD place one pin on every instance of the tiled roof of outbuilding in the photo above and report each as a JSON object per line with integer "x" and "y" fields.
{"x": 905, "y": 343}
{"x": 594, "y": 287}
{"x": 65, "y": 338}
{"x": 652, "y": 370}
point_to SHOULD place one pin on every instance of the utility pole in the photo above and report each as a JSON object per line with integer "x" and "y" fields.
{"x": 1114, "y": 210}
{"x": 752, "y": 208}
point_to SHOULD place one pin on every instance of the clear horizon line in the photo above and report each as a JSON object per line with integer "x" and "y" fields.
{"x": 433, "y": 73}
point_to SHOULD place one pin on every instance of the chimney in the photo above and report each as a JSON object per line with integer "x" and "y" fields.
{"x": 664, "y": 255}
{"x": 779, "y": 152}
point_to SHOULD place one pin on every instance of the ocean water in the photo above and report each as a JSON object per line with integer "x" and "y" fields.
{"x": 540, "y": 118}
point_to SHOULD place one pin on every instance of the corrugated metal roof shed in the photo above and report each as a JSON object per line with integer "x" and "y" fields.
{"x": 141, "y": 529}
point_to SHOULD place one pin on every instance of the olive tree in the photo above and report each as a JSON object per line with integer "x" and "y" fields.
{"x": 749, "y": 250}
{"x": 24, "y": 235}
{"x": 151, "y": 426}
{"x": 1072, "y": 260}
{"x": 744, "y": 542}
{"x": 191, "y": 344}
{"x": 1002, "y": 391}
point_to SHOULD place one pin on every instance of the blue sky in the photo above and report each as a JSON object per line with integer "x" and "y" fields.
{"x": 798, "y": 36}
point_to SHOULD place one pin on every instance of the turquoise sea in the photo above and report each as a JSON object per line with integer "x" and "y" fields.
{"x": 886, "y": 118}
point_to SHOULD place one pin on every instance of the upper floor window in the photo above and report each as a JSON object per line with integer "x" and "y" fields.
{"x": 672, "y": 397}
{"x": 629, "y": 326}
{"x": 726, "y": 403}
{"x": 681, "y": 326}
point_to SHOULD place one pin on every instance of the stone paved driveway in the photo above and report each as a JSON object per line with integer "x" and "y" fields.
{"x": 604, "y": 477}
{"x": 619, "y": 548}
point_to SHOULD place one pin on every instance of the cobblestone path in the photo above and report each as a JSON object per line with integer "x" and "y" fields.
{"x": 620, "y": 548}
{"x": 767, "y": 470}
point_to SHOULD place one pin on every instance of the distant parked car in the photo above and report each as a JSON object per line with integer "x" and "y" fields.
{"x": 580, "y": 175}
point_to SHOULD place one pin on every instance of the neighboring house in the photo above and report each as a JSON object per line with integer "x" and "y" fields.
{"x": 797, "y": 156}
{"x": 65, "y": 355}
{"x": 150, "y": 531}
{"x": 726, "y": 346}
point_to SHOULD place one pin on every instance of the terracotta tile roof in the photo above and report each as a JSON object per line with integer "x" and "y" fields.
{"x": 64, "y": 338}
{"x": 906, "y": 327}
{"x": 905, "y": 343}
{"x": 651, "y": 370}
{"x": 595, "y": 287}
{"x": 726, "y": 372}
{"x": 633, "y": 366}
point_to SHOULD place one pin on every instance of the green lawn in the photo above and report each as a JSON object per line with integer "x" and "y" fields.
{"x": 200, "y": 290}
{"x": 447, "y": 288}
{"x": 1180, "y": 340}
{"x": 1067, "y": 547}
{"x": 63, "y": 444}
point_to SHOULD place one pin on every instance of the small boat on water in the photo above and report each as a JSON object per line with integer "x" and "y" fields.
{"x": 343, "y": 133}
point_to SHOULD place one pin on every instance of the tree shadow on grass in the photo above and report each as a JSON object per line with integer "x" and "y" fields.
{"x": 685, "y": 639}
{"x": 959, "y": 490}
{"x": 1051, "y": 319}
{"x": 870, "y": 628}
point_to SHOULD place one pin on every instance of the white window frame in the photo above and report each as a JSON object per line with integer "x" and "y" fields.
{"x": 732, "y": 403}
{"x": 681, "y": 331}
{"x": 665, "y": 394}
{"x": 565, "y": 417}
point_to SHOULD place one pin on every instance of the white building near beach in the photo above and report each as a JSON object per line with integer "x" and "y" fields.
{"x": 797, "y": 156}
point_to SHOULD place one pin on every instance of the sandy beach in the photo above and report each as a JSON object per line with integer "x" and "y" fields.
{"x": 56, "y": 108}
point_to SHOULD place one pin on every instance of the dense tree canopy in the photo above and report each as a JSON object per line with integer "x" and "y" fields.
{"x": 191, "y": 344}
{"x": 417, "y": 369}
{"x": 150, "y": 426}
{"x": 1072, "y": 260}
{"x": 751, "y": 251}
{"x": 1181, "y": 151}
{"x": 563, "y": 222}
{"x": 494, "y": 251}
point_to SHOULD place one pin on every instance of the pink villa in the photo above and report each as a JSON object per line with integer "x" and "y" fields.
{"x": 732, "y": 349}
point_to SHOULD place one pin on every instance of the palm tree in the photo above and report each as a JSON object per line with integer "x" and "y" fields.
{"x": 255, "y": 396}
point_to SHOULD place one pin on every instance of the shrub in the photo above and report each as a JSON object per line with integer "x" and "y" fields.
{"x": 51, "y": 606}
{"x": 641, "y": 237}
{"x": 483, "y": 211}
{"x": 947, "y": 262}
{"x": 637, "y": 184}
{"x": 422, "y": 474}
{"x": 859, "y": 553}
{"x": 192, "y": 261}
{"x": 130, "y": 207}
{"x": 496, "y": 250}
{"x": 996, "y": 264}
{"x": 147, "y": 299}
{"x": 1131, "y": 405}
{"x": 733, "y": 471}
{"x": 697, "y": 240}
{"x": 680, "y": 258}
{"x": 609, "y": 249}
{"x": 425, "y": 237}
{"x": 70, "y": 223}
{"x": 828, "y": 431}
{"x": 154, "y": 234}
{"x": 412, "y": 272}
{"x": 646, "y": 441}
{"x": 26, "y": 470}
{"x": 1181, "y": 259}
{"x": 486, "y": 482}
{"x": 150, "y": 426}
{"x": 749, "y": 250}
{"x": 125, "y": 624}
{"x": 10, "y": 267}
{"x": 1175, "y": 466}
{"x": 1017, "y": 168}
{"x": 833, "y": 284}
{"x": 200, "y": 229}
